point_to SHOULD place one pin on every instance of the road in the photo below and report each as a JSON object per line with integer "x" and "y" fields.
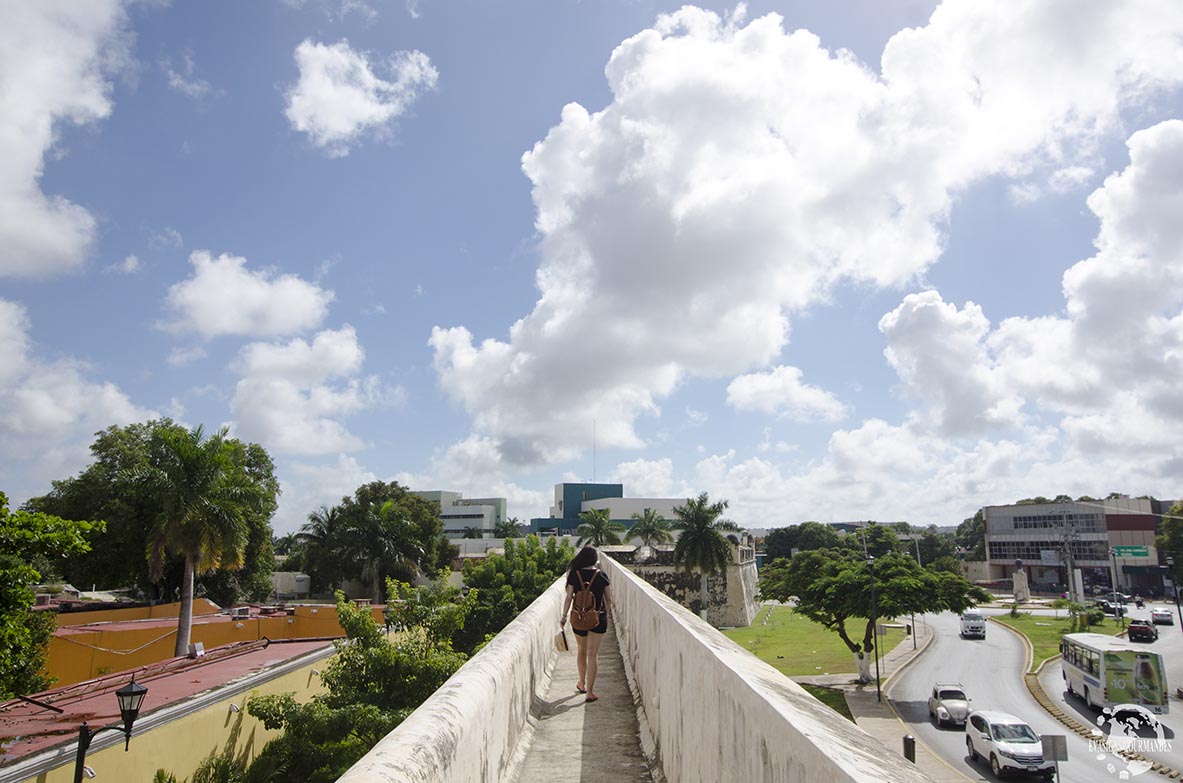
{"x": 1170, "y": 646}
{"x": 992, "y": 672}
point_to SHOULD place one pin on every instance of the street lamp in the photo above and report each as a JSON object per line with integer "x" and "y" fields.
{"x": 1175, "y": 585}
{"x": 874, "y": 626}
{"x": 130, "y": 697}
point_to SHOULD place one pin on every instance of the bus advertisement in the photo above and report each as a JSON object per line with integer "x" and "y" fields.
{"x": 1107, "y": 671}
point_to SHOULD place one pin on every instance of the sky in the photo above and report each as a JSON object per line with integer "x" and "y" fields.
{"x": 831, "y": 261}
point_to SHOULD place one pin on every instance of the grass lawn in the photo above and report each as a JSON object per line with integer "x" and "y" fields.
{"x": 797, "y": 646}
{"x": 1044, "y": 632}
{"x": 832, "y": 698}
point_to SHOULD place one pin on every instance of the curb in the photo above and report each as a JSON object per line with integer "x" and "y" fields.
{"x": 1031, "y": 680}
{"x": 887, "y": 700}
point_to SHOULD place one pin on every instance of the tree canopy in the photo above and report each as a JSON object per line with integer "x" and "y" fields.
{"x": 1170, "y": 538}
{"x": 597, "y": 528}
{"x": 971, "y": 536}
{"x": 383, "y": 530}
{"x": 650, "y": 528}
{"x": 27, "y": 538}
{"x": 833, "y": 585}
{"x": 110, "y": 489}
{"x": 781, "y": 541}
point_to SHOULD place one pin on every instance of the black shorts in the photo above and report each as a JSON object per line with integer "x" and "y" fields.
{"x": 601, "y": 628}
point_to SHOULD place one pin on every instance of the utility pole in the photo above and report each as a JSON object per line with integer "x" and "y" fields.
{"x": 1069, "y": 537}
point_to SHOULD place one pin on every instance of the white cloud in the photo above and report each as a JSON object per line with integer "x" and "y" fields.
{"x": 49, "y": 410}
{"x": 309, "y": 485}
{"x": 129, "y": 265}
{"x": 181, "y": 78}
{"x": 178, "y": 357}
{"x": 939, "y": 353}
{"x": 293, "y": 396}
{"x": 740, "y": 172}
{"x": 780, "y": 392}
{"x": 167, "y": 238}
{"x": 55, "y": 62}
{"x": 339, "y": 97}
{"x": 223, "y": 297}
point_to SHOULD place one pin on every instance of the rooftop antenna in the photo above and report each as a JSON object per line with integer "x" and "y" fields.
{"x": 593, "y": 451}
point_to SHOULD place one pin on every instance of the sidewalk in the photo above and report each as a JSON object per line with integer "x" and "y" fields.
{"x": 579, "y": 741}
{"x": 878, "y": 718}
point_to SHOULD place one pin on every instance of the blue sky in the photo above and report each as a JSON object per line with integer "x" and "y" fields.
{"x": 826, "y": 261}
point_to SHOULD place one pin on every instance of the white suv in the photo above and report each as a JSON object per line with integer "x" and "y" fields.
{"x": 1009, "y": 744}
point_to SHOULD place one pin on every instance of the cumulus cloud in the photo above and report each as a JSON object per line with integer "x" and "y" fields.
{"x": 780, "y": 392}
{"x": 341, "y": 95}
{"x": 223, "y": 297}
{"x": 129, "y": 265}
{"x": 49, "y": 410}
{"x": 308, "y": 485}
{"x": 740, "y": 172}
{"x": 56, "y": 59}
{"x": 293, "y": 396}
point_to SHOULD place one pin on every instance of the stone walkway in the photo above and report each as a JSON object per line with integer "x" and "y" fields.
{"x": 576, "y": 741}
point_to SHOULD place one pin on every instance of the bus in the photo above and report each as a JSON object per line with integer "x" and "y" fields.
{"x": 1107, "y": 671}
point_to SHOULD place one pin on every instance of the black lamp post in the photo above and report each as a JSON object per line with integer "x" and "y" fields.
{"x": 874, "y": 626}
{"x": 1175, "y": 586}
{"x": 130, "y": 697}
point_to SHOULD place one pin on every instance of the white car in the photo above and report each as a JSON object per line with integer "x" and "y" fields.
{"x": 1162, "y": 617}
{"x": 973, "y": 624}
{"x": 1009, "y": 744}
{"x": 948, "y": 704}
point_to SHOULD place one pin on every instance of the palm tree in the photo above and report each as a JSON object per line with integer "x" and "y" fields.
{"x": 701, "y": 546}
{"x": 379, "y": 543}
{"x": 507, "y": 528}
{"x": 203, "y": 497}
{"x": 597, "y": 528}
{"x": 321, "y": 538}
{"x": 473, "y": 532}
{"x": 650, "y": 528}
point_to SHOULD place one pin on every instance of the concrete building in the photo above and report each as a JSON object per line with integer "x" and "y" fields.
{"x": 1097, "y": 535}
{"x": 573, "y": 499}
{"x": 459, "y": 513}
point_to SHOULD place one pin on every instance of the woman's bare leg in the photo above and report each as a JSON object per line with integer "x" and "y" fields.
{"x": 581, "y": 658}
{"x": 593, "y": 651}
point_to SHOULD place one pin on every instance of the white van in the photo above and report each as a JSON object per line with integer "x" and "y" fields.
{"x": 973, "y": 624}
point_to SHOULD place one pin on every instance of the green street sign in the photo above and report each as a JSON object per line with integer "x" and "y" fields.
{"x": 1131, "y": 551}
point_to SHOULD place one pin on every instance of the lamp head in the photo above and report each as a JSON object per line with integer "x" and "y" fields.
{"x": 130, "y": 697}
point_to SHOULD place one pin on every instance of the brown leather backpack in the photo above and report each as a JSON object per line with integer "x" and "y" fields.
{"x": 585, "y": 615}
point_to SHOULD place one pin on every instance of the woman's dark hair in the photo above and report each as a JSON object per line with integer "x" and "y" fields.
{"x": 586, "y": 558}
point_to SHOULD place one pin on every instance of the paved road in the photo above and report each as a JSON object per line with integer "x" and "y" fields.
{"x": 1170, "y": 646}
{"x": 991, "y": 671}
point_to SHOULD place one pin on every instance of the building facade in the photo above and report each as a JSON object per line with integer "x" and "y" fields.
{"x": 573, "y": 499}
{"x": 458, "y": 513}
{"x": 1097, "y": 537}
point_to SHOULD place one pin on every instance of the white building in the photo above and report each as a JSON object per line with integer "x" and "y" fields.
{"x": 458, "y": 513}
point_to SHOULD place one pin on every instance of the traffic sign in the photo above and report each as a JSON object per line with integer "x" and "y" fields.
{"x": 1132, "y": 551}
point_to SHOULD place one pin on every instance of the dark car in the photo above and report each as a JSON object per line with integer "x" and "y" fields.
{"x": 1108, "y": 607}
{"x": 1141, "y": 631}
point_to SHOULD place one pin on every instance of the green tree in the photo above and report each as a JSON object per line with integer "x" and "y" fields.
{"x": 701, "y": 546}
{"x": 1169, "y": 539}
{"x": 597, "y": 528}
{"x": 26, "y": 537}
{"x": 108, "y": 489}
{"x": 373, "y": 684}
{"x": 473, "y": 532}
{"x": 382, "y": 530}
{"x": 439, "y": 608}
{"x": 508, "y": 528}
{"x": 803, "y": 537}
{"x": 833, "y": 585}
{"x": 933, "y": 545}
{"x": 946, "y": 563}
{"x": 203, "y": 502}
{"x": 650, "y": 528}
{"x": 874, "y": 540}
{"x": 971, "y": 536}
{"x": 508, "y": 583}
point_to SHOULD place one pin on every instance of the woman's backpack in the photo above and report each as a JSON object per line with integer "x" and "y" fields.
{"x": 585, "y": 615}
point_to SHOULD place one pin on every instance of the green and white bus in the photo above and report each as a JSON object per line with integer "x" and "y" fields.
{"x": 1107, "y": 671}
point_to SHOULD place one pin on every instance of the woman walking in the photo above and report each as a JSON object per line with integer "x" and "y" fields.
{"x": 583, "y": 575}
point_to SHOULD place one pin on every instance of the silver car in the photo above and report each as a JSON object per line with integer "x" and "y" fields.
{"x": 948, "y": 704}
{"x": 1008, "y": 744}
